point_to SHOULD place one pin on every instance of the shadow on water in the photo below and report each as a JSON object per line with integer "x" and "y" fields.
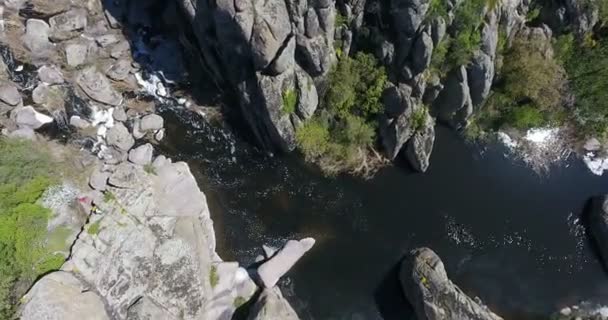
{"x": 390, "y": 299}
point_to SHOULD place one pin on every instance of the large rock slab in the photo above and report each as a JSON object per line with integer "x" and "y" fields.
{"x": 454, "y": 106}
{"x": 61, "y": 296}
{"x": 141, "y": 155}
{"x": 272, "y": 306}
{"x": 9, "y": 94}
{"x": 98, "y": 87}
{"x": 36, "y": 38}
{"x": 396, "y": 125}
{"x": 152, "y": 250}
{"x": 598, "y": 225}
{"x": 272, "y": 270}
{"x": 433, "y": 296}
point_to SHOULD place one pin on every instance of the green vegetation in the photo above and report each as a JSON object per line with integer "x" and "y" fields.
{"x": 467, "y": 39}
{"x": 341, "y": 136}
{"x": 587, "y": 69}
{"x": 26, "y": 171}
{"x": 58, "y": 238}
{"x": 341, "y": 21}
{"x": 214, "y": 278}
{"x": 149, "y": 169}
{"x": 437, "y": 8}
{"x": 419, "y": 118}
{"x": 94, "y": 228}
{"x": 529, "y": 92}
{"x": 290, "y": 100}
{"x": 238, "y": 302}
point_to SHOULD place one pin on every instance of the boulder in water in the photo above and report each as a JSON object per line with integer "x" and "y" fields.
{"x": 433, "y": 296}
{"x": 98, "y": 87}
{"x": 29, "y": 117}
{"x": 119, "y": 137}
{"x": 141, "y": 155}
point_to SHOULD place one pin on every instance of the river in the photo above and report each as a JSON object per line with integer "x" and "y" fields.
{"x": 504, "y": 233}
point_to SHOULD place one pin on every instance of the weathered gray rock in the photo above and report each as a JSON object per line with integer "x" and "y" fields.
{"x": 112, "y": 155}
{"x": 480, "y": 76}
{"x": 119, "y": 137}
{"x": 45, "y": 8}
{"x": 141, "y": 155}
{"x": 454, "y": 105}
{"x": 50, "y": 75}
{"x": 598, "y": 225}
{"x": 28, "y": 117}
{"x": 308, "y": 99}
{"x": 119, "y": 114}
{"x": 120, "y": 70}
{"x": 79, "y": 123}
{"x": 99, "y": 180}
{"x": 98, "y": 87}
{"x": 151, "y": 122}
{"x": 159, "y": 135}
{"x": 121, "y": 49}
{"x": 36, "y": 38}
{"x": 433, "y": 296}
{"x": 155, "y": 244}
{"x": 51, "y": 97}
{"x": 272, "y": 270}
{"x": 76, "y": 53}
{"x": 285, "y": 58}
{"x": 422, "y": 52}
{"x": 9, "y": 94}
{"x": 106, "y": 40}
{"x": 271, "y": 28}
{"x": 272, "y": 306}
{"x": 68, "y": 24}
{"x": 439, "y": 29}
{"x": 420, "y": 146}
{"x": 61, "y": 296}
{"x": 396, "y": 126}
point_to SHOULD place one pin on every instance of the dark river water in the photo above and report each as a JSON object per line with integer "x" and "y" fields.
{"x": 505, "y": 234}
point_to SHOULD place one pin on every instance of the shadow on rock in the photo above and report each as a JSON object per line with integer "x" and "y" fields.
{"x": 390, "y": 299}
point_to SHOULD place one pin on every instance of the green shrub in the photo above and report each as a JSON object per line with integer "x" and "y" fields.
{"x": 340, "y": 140}
{"x": 563, "y": 47}
{"x": 419, "y": 119}
{"x": 340, "y": 21}
{"x": 438, "y": 59}
{"x": 313, "y": 138}
{"x": 525, "y": 117}
{"x": 437, "y": 8}
{"x": 587, "y": 70}
{"x": 532, "y": 14}
{"x": 108, "y": 197}
{"x": 529, "y": 74}
{"x": 290, "y": 100}
{"x": 356, "y": 86}
{"x": 25, "y": 173}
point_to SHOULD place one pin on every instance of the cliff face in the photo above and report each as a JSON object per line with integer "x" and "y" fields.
{"x": 264, "y": 52}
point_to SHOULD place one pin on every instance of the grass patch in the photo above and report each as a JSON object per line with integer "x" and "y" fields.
{"x": 214, "y": 277}
{"x": 419, "y": 119}
{"x": 290, "y": 100}
{"x": 26, "y": 171}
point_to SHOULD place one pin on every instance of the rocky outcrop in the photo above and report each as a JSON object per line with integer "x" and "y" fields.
{"x": 433, "y": 296}
{"x": 272, "y": 306}
{"x": 420, "y": 146}
{"x": 62, "y": 296}
{"x": 597, "y": 218}
{"x": 396, "y": 126}
{"x": 278, "y": 264}
{"x": 454, "y": 105}
{"x": 252, "y": 46}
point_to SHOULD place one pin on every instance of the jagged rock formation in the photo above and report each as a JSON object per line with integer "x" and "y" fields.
{"x": 272, "y": 306}
{"x": 432, "y": 294}
{"x": 266, "y": 51}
